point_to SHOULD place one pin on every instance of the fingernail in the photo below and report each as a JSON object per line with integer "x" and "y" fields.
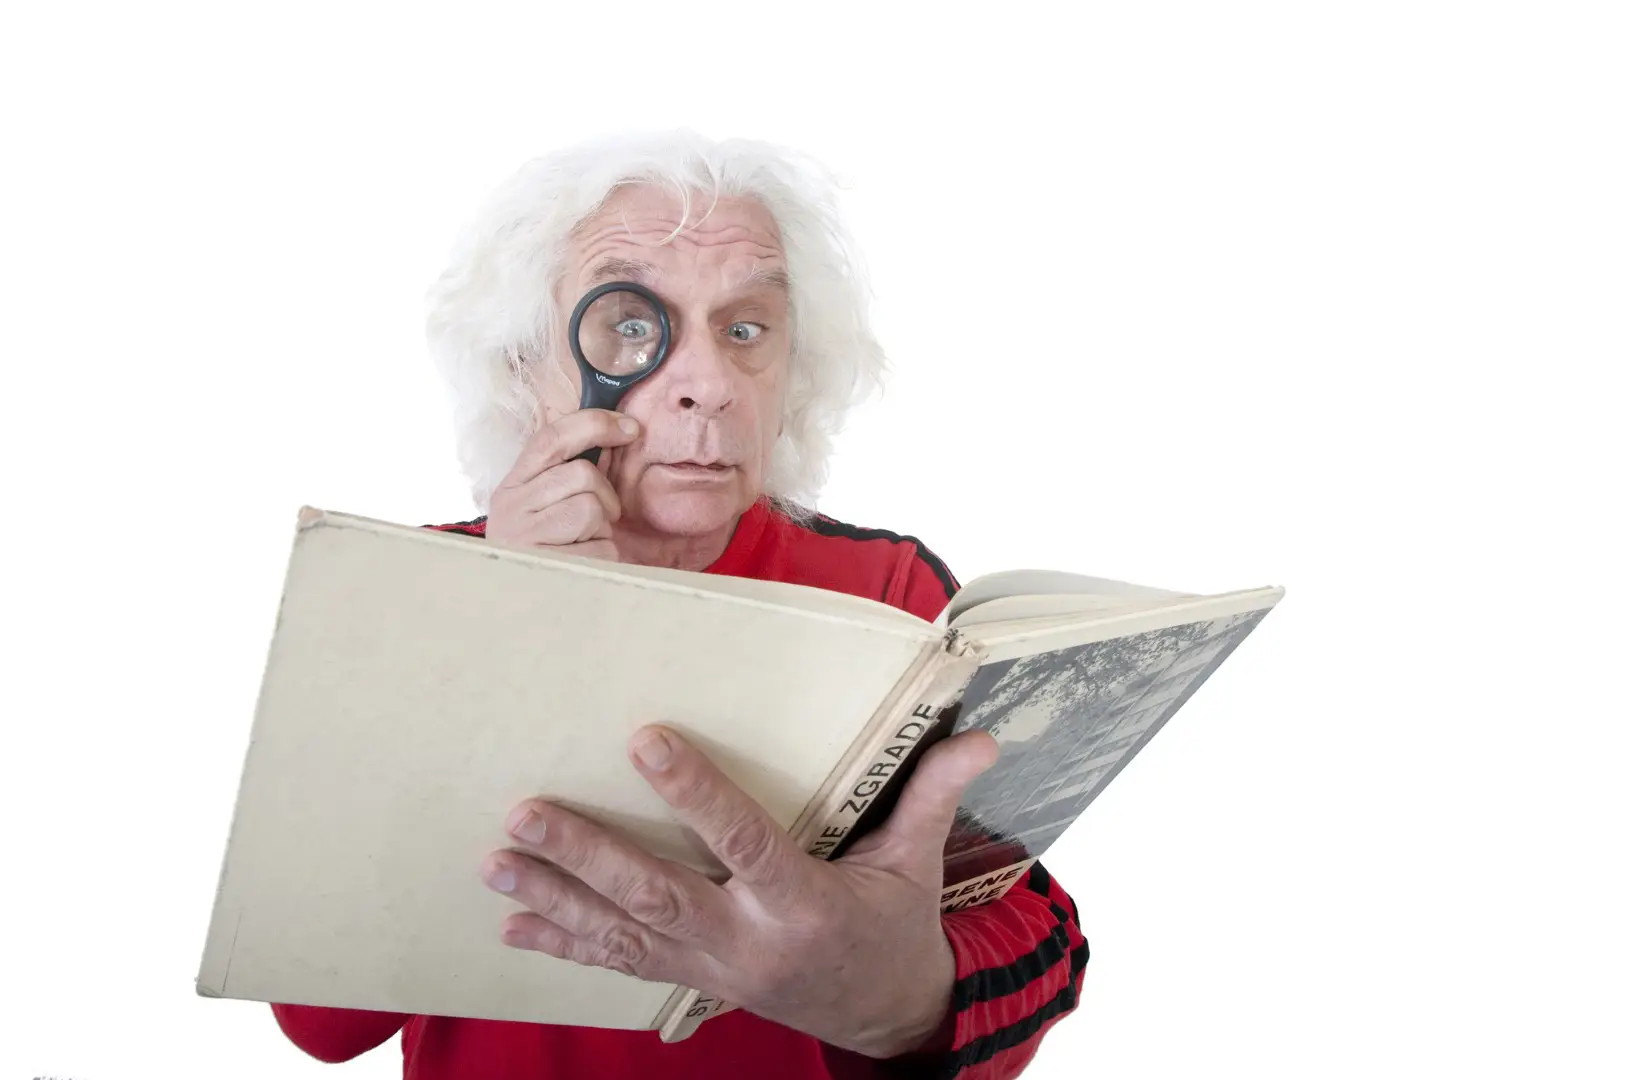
{"x": 629, "y": 425}
{"x": 502, "y": 880}
{"x": 526, "y": 825}
{"x": 654, "y": 750}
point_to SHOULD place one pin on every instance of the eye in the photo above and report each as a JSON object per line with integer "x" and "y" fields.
{"x": 745, "y": 331}
{"x": 634, "y": 329}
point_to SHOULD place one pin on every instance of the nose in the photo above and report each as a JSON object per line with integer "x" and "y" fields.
{"x": 697, "y": 376}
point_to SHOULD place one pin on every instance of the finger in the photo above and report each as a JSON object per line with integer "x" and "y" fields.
{"x": 575, "y": 520}
{"x": 754, "y": 848}
{"x": 603, "y": 550}
{"x": 602, "y": 934}
{"x": 528, "y": 930}
{"x": 920, "y": 822}
{"x": 668, "y": 897}
{"x": 578, "y": 477}
{"x": 558, "y": 442}
{"x": 570, "y": 521}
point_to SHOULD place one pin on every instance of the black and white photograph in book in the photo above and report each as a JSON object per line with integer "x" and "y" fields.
{"x": 1067, "y": 722}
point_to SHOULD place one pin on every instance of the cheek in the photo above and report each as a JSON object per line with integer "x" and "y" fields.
{"x": 558, "y": 387}
{"x": 643, "y": 405}
{"x": 762, "y": 416}
{"x": 772, "y": 419}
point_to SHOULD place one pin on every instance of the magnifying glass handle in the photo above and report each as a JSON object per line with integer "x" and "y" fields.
{"x": 595, "y": 395}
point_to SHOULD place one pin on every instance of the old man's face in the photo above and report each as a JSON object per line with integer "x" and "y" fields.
{"x": 711, "y": 413}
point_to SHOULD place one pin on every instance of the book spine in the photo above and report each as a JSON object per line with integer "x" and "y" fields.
{"x": 824, "y": 831}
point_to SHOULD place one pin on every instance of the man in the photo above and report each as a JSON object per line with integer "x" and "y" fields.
{"x": 839, "y": 969}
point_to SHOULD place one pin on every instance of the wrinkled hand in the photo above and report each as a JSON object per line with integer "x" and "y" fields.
{"x": 851, "y": 952}
{"x": 548, "y": 500}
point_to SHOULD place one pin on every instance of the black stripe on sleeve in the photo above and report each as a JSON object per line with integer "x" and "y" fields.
{"x": 997, "y": 982}
{"x": 825, "y": 525}
{"x": 980, "y": 1050}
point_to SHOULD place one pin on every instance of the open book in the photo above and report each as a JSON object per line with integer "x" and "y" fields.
{"x": 421, "y": 683}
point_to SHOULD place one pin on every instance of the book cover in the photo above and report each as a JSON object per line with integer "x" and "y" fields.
{"x": 1067, "y": 721}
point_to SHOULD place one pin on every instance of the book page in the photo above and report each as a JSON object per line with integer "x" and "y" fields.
{"x": 1007, "y": 583}
{"x": 1007, "y": 639}
{"x": 1050, "y": 606}
{"x": 419, "y": 687}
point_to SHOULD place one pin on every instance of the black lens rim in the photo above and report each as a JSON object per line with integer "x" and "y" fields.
{"x": 591, "y": 374}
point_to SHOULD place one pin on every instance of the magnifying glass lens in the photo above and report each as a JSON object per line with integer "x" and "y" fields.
{"x": 620, "y": 334}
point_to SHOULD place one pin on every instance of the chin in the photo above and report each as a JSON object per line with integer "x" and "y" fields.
{"x": 692, "y": 513}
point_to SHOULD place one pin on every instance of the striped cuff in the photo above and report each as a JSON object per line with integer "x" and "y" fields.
{"x": 1021, "y": 962}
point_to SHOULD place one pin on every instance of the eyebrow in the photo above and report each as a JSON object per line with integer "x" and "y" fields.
{"x": 618, "y": 269}
{"x": 613, "y": 269}
{"x": 776, "y": 279}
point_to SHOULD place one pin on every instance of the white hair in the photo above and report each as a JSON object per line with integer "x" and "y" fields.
{"x": 492, "y": 311}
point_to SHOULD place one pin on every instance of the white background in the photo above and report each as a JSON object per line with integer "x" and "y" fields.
{"x": 1204, "y": 296}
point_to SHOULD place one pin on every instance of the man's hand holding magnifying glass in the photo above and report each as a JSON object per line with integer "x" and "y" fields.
{"x": 556, "y": 495}
{"x": 553, "y": 497}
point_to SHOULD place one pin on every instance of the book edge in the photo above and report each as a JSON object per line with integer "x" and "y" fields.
{"x": 868, "y": 614}
{"x": 214, "y": 971}
{"x": 1004, "y": 641}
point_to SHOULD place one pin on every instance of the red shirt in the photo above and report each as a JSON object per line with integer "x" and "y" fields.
{"x": 1019, "y": 960}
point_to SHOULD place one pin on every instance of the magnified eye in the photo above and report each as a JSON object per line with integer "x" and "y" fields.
{"x": 745, "y": 331}
{"x": 634, "y": 329}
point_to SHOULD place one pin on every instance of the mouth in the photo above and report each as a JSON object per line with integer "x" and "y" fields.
{"x": 698, "y": 469}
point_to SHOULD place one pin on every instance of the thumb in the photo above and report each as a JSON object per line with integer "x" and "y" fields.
{"x": 920, "y": 823}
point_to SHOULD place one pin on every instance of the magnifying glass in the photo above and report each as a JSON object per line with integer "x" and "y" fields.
{"x": 619, "y": 333}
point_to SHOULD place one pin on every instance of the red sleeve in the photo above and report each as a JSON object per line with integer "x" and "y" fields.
{"x": 472, "y": 527}
{"x": 334, "y": 1035}
{"x": 1019, "y": 968}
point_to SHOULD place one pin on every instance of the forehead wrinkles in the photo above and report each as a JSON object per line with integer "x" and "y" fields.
{"x": 684, "y": 272}
{"x": 638, "y": 217}
{"x": 737, "y": 239}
